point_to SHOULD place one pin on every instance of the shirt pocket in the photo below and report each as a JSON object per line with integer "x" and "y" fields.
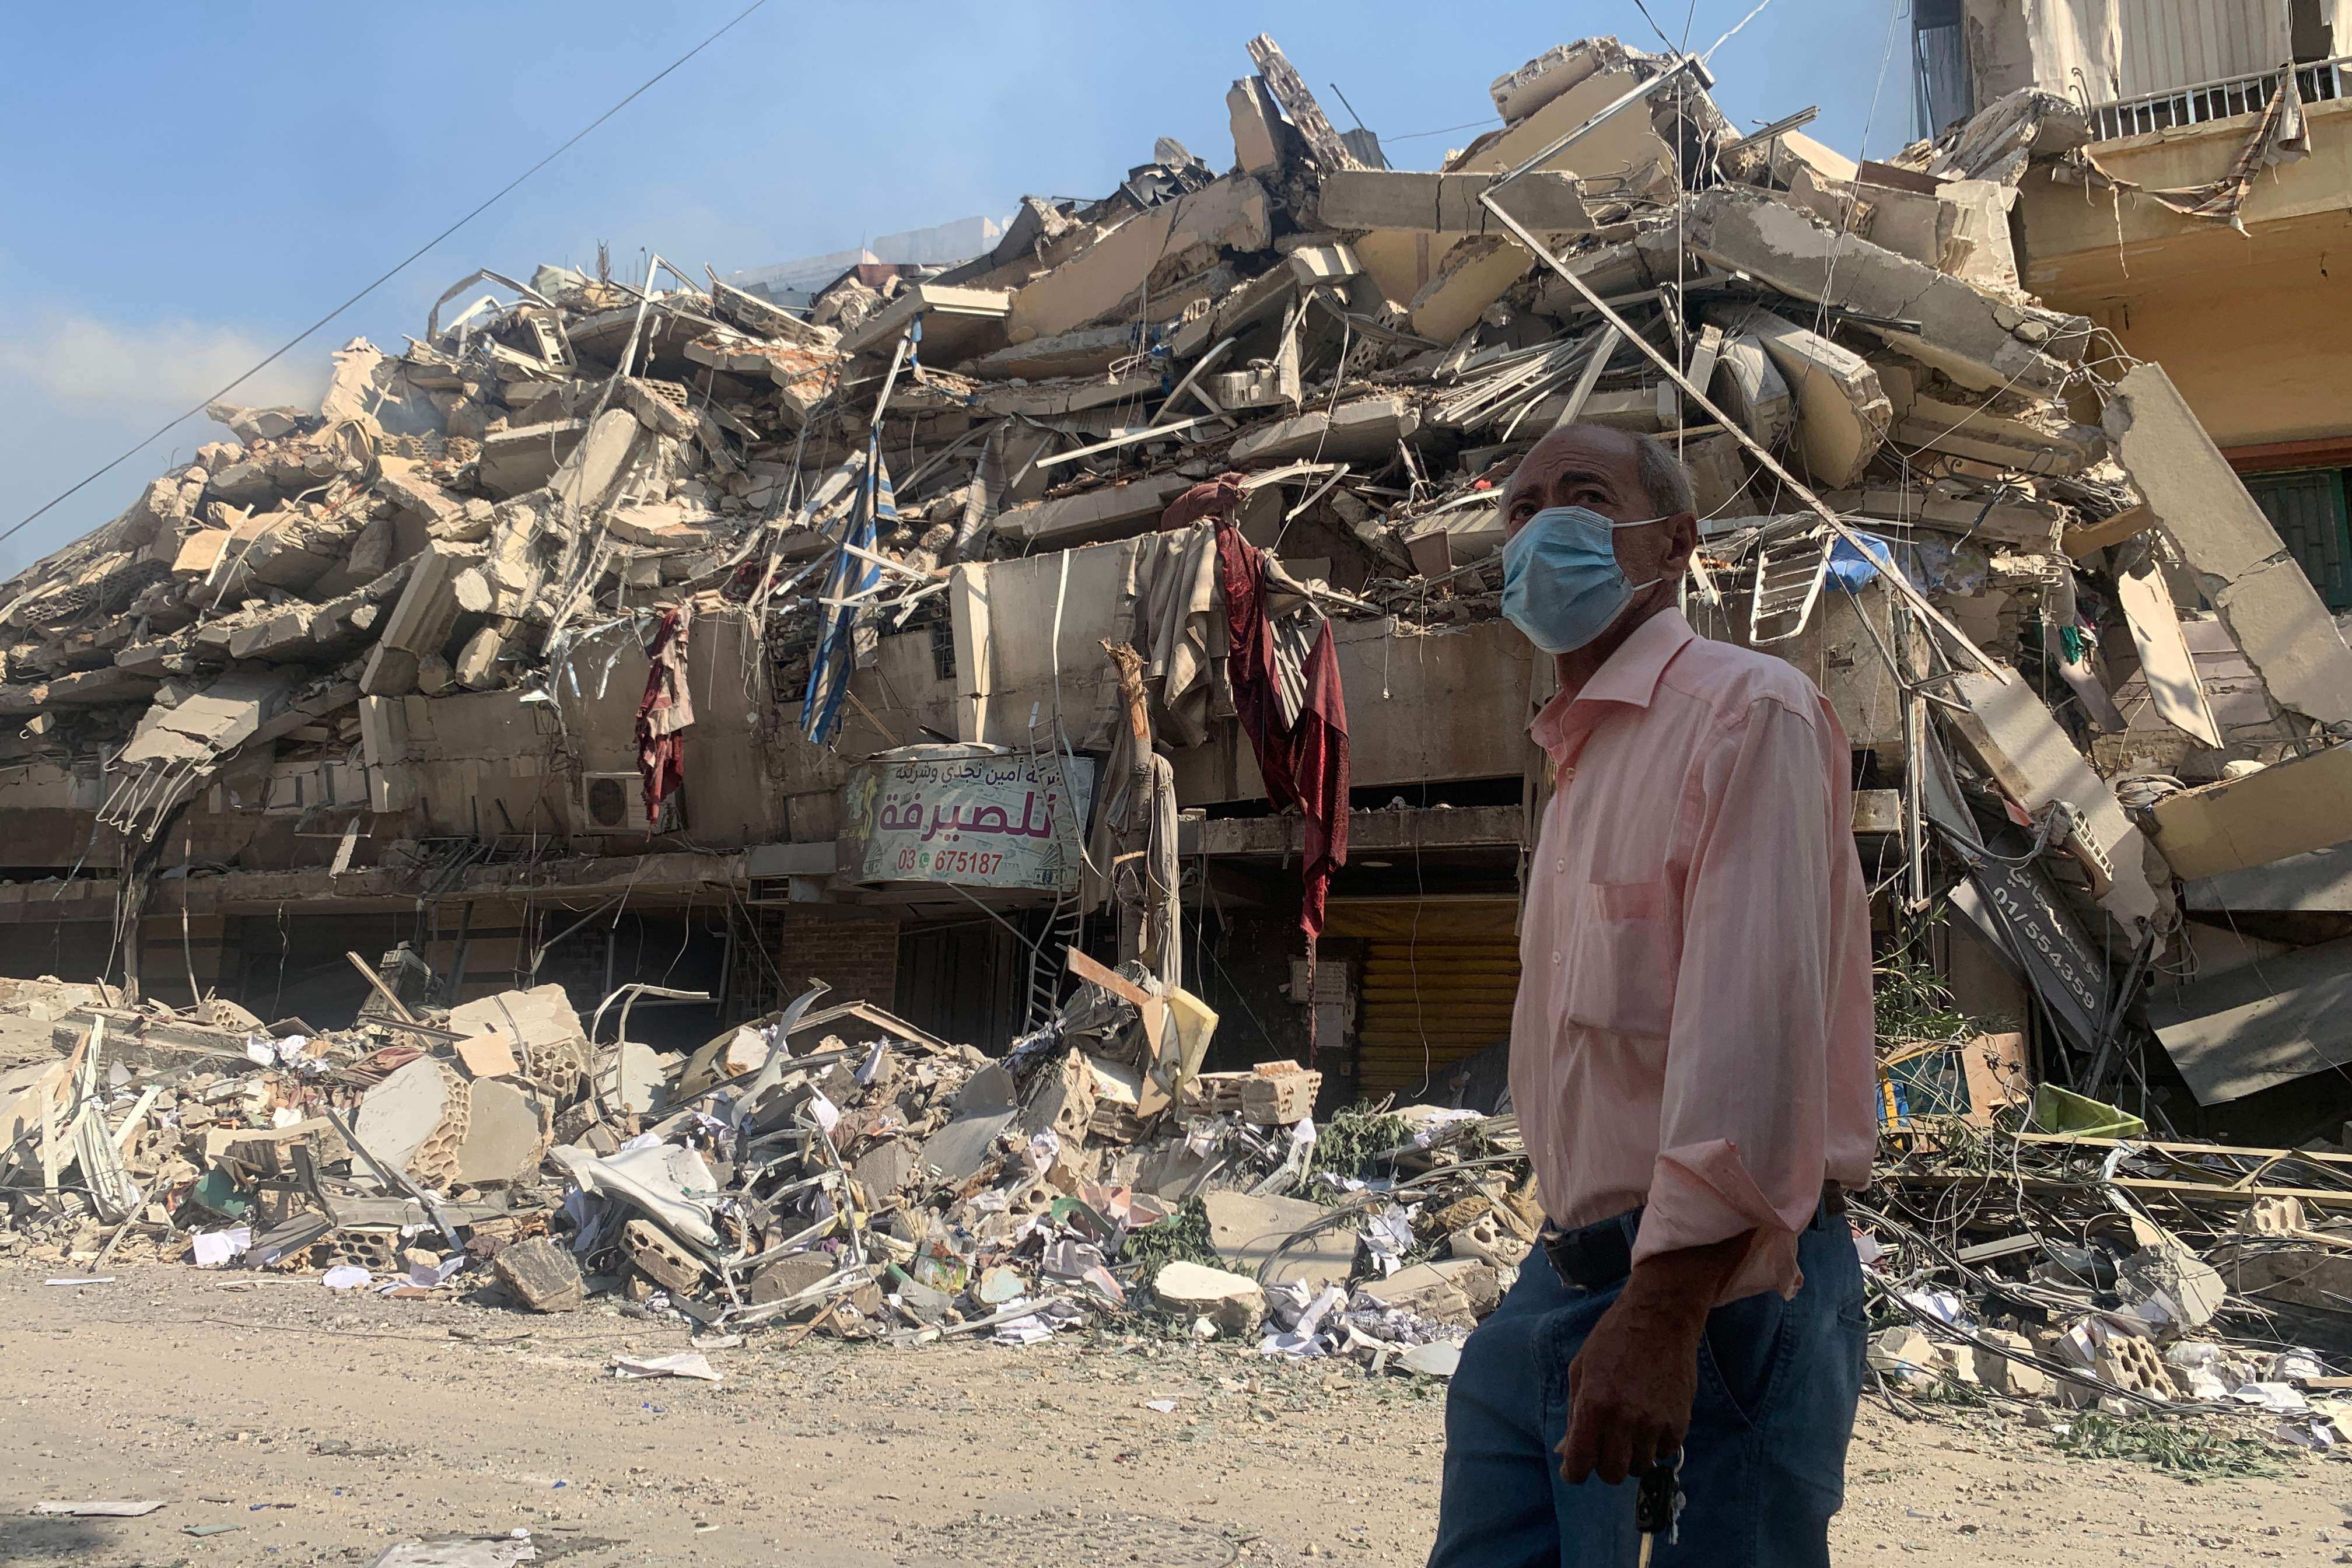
{"x": 1618, "y": 965}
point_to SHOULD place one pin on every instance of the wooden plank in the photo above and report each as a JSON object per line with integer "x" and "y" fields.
{"x": 2343, "y": 1162}
{"x": 2207, "y": 1191}
{"x": 2080, "y": 543}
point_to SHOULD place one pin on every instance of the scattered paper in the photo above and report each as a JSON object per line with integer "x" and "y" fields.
{"x": 1165, "y": 1406}
{"x": 686, "y": 1363}
{"x": 346, "y": 1277}
{"x": 119, "y": 1508}
{"x": 1438, "y": 1360}
{"x": 2276, "y": 1398}
{"x": 427, "y": 1276}
{"x": 1940, "y": 1305}
{"x": 458, "y": 1554}
{"x": 827, "y": 1114}
{"x": 715, "y": 1342}
{"x": 215, "y": 1247}
{"x": 1388, "y": 1236}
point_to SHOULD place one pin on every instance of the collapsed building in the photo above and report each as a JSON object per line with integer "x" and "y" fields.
{"x": 1134, "y": 588}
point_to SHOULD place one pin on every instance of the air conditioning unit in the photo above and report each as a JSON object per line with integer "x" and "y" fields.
{"x": 615, "y": 802}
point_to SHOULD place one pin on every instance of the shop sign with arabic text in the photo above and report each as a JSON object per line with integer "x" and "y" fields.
{"x": 1000, "y": 821}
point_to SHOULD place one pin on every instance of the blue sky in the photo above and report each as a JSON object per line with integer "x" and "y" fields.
{"x": 188, "y": 185}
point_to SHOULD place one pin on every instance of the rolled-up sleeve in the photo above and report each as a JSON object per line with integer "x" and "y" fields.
{"x": 1742, "y": 1121}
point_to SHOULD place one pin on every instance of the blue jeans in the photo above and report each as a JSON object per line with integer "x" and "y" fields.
{"x": 1763, "y": 1467}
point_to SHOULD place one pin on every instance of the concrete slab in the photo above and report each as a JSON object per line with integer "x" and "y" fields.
{"x": 1234, "y": 1303}
{"x": 2288, "y": 809}
{"x": 1233, "y": 213}
{"x": 505, "y": 1136}
{"x": 1248, "y": 1231}
{"x": 2240, "y": 563}
{"x": 1546, "y": 201}
{"x": 1980, "y": 340}
{"x": 1366, "y": 428}
{"x": 399, "y": 1114}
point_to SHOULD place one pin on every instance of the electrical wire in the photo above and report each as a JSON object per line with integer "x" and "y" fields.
{"x": 1441, "y": 131}
{"x": 386, "y": 276}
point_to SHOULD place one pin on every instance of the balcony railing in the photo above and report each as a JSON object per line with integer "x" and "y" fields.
{"x": 2204, "y": 101}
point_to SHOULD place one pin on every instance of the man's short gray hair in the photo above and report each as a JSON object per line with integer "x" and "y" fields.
{"x": 1663, "y": 477}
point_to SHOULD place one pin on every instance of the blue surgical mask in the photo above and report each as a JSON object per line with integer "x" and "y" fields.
{"x": 1561, "y": 582}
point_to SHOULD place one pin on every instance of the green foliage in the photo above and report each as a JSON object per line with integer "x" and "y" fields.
{"x": 1910, "y": 1002}
{"x": 2181, "y": 1446}
{"x": 1182, "y": 1236}
{"x": 1345, "y": 1145}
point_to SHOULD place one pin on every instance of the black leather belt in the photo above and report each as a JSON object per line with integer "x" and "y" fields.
{"x": 1601, "y": 1254}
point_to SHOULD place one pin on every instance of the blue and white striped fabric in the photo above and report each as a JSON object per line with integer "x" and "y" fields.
{"x": 828, "y": 683}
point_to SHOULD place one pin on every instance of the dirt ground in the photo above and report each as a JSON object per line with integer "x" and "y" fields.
{"x": 320, "y": 1428}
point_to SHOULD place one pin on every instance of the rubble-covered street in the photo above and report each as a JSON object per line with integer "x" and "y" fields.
{"x": 322, "y": 1428}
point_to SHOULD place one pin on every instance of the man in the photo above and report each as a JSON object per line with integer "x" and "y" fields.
{"x": 1690, "y": 1061}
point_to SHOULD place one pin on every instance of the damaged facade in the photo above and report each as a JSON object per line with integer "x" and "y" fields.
{"x": 1134, "y": 588}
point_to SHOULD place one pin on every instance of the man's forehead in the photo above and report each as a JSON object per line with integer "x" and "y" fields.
{"x": 1581, "y": 451}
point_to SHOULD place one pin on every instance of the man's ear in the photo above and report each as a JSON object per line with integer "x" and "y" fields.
{"x": 1683, "y": 533}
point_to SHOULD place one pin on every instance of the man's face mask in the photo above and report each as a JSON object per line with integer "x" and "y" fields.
{"x": 1561, "y": 582}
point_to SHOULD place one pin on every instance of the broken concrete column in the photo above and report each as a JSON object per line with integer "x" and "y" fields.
{"x": 1843, "y": 411}
{"x": 476, "y": 664}
{"x": 584, "y": 482}
{"x": 421, "y": 620}
{"x": 2016, "y": 740}
{"x": 2243, "y": 568}
{"x": 1257, "y": 127}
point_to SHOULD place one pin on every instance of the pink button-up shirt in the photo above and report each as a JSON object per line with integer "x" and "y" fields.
{"x": 1692, "y": 1031}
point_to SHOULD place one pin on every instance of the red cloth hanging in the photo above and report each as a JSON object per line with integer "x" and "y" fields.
{"x": 1319, "y": 771}
{"x": 1305, "y": 764}
{"x": 665, "y": 711}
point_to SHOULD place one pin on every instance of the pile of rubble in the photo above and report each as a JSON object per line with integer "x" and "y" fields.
{"x": 832, "y": 1167}
{"x": 1843, "y": 353}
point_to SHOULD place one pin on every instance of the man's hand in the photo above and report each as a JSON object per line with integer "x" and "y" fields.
{"x": 1630, "y": 1388}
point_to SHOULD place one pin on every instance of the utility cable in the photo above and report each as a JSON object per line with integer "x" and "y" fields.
{"x": 396, "y": 268}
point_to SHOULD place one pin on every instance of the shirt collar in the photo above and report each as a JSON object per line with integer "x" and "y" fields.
{"x": 1629, "y": 677}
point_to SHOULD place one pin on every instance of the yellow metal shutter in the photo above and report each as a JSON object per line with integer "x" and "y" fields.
{"x": 1438, "y": 981}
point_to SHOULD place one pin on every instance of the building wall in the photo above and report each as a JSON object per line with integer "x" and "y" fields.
{"x": 2101, "y": 50}
{"x": 855, "y": 954}
{"x": 2257, "y": 341}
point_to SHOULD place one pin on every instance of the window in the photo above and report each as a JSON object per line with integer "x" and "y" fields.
{"x": 2307, "y": 508}
{"x": 1940, "y": 64}
{"x": 943, "y": 663}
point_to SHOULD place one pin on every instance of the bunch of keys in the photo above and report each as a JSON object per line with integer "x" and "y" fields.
{"x": 1658, "y": 1505}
